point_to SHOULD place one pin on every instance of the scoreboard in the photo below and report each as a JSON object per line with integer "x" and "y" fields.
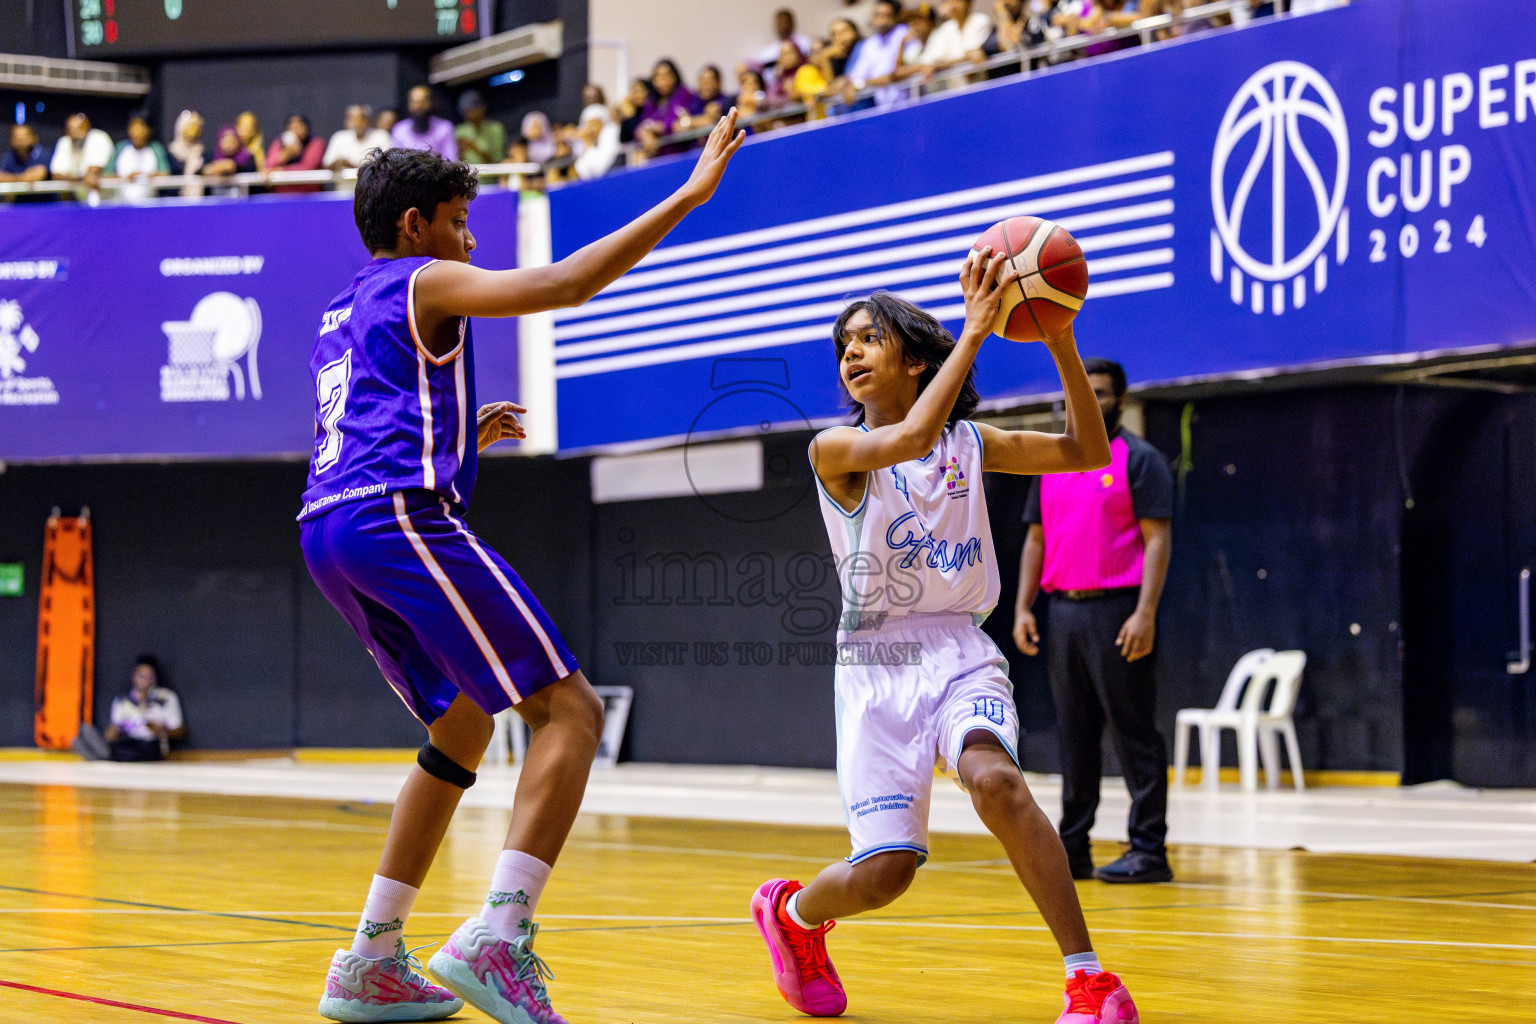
{"x": 122, "y": 29}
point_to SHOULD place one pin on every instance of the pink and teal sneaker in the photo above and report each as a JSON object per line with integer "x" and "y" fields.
{"x": 504, "y": 980}
{"x": 391, "y": 989}
{"x": 1097, "y": 999}
{"x": 801, "y": 968}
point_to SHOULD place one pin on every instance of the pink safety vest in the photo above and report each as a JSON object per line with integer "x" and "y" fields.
{"x": 1092, "y": 537}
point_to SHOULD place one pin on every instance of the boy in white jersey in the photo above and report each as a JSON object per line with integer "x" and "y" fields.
{"x": 902, "y": 498}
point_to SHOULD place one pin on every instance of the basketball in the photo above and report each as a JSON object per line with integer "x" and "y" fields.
{"x": 1053, "y": 277}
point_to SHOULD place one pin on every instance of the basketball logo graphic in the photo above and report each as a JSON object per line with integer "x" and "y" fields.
{"x": 1282, "y": 150}
{"x": 206, "y": 348}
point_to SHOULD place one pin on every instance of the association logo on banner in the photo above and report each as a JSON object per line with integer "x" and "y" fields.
{"x": 18, "y": 341}
{"x": 206, "y": 350}
{"x": 1283, "y": 136}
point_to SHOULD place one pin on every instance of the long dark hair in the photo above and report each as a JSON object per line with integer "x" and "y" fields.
{"x": 922, "y": 338}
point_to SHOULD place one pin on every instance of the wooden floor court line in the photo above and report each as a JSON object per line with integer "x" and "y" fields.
{"x": 187, "y": 945}
{"x": 1426, "y": 822}
{"x": 154, "y": 906}
{"x": 1170, "y": 933}
{"x": 112, "y": 1002}
{"x": 1457, "y": 900}
{"x": 918, "y": 922}
{"x": 1460, "y": 900}
{"x": 256, "y": 892}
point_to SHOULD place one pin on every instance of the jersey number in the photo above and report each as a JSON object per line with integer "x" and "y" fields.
{"x": 331, "y": 389}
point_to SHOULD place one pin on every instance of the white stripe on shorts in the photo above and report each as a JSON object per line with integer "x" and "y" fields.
{"x": 517, "y": 599}
{"x": 452, "y": 593}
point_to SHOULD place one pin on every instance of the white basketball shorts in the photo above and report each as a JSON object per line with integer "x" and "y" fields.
{"x": 908, "y": 693}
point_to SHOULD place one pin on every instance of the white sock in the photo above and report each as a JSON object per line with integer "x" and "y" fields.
{"x": 516, "y": 885}
{"x": 1087, "y": 962}
{"x": 389, "y": 904}
{"x": 792, "y": 908}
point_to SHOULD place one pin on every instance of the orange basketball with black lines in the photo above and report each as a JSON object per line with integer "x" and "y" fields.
{"x": 1053, "y": 277}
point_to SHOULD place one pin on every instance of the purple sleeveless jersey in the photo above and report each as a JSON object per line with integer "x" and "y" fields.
{"x": 389, "y": 416}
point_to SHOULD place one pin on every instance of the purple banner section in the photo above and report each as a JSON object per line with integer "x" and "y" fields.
{"x": 184, "y": 330}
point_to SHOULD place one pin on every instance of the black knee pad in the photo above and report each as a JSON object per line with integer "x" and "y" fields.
{"x": 440, "y": 766}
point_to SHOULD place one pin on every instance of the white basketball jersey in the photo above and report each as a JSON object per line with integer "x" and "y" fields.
{"x": 920, "y": 540}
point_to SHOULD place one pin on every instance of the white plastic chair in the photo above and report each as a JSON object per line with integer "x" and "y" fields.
{"x": 1277, "y": 720}
{"x": 1191, "y": 719}
{"x": 1258, "y": 726}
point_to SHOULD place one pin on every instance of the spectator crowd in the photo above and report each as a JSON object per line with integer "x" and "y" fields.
{"x": 877, "y": 56}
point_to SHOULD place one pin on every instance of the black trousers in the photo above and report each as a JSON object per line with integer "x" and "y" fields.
{"x": 1091, "y": 682}
{"x": 126, "y": 748}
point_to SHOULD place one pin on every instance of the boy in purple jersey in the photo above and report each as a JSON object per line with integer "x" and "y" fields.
{"x": 451, "y": 626}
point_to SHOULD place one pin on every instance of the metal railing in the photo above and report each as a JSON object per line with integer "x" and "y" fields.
{"x": 1051, "y": 52}
{"x": 1048, "y": 53}
{"x": 169, "y": 185}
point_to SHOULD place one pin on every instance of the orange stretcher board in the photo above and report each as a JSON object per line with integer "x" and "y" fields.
{"x": 66, "y": 632}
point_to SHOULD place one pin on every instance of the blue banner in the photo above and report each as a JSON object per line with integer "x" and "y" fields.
{"x": 1343, "y": 186}
{"x": 184, "y": 330}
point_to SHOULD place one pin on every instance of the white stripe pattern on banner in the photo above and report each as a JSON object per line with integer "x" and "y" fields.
{"x": 710, "y": 298}
{"x": 577, "y": 327}
{"x": 975, "y": 220}
{"x": 863, "y": 283}
{"x": 820, "y": 331}
{"x": 517, "y": 599}
{"x": 452, "y": 593}
{"x": 912, "y": 207}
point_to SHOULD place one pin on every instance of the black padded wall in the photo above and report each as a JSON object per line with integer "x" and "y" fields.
{"x": 200, "y": 565}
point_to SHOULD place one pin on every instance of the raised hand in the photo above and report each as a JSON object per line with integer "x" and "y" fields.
{"x": 982, "y": 280}
{"x": 722, "y": 144}
{"x": 498, "y": 422}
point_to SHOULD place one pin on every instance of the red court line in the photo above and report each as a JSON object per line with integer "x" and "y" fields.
{"x": 113, "y": 1002}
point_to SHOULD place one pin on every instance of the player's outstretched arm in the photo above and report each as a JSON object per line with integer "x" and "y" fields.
{"x": 1083, "y": 446}
{"x": 447, "y": 288}
{"x": 838, "y": 453}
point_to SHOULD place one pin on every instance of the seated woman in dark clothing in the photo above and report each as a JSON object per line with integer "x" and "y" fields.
{"x": 231, "y": 157}
{"x": 632, "y": 108}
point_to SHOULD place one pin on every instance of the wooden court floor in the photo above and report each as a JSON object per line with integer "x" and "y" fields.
{"x": 191, "y": 907}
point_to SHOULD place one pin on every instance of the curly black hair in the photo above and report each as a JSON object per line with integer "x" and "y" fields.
{"x": 920, "y": 336}
{"x": 391, "y": 181}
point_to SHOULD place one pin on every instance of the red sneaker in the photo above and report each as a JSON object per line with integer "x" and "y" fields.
{"x": 1097, "y": 999}
{"x": 801, "y": 969}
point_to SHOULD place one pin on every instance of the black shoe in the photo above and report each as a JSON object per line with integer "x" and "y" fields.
{"x": 1136, "y": 866}
{"x": 1079, "y": 860}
